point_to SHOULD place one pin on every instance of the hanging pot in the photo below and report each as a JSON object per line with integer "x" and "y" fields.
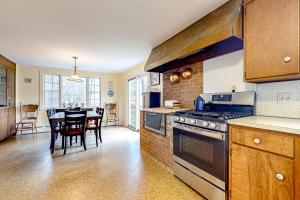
{"x": 175, "y": 77}
{"x": 187, "y": 73}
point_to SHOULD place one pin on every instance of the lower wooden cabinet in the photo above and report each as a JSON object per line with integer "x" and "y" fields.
{"x": 260, "y": 173}
{"x": 7, "y": 122}
{"x": 12, "y": 121}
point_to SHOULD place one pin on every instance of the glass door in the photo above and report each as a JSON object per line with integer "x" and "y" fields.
{"x": 132, "y": 103}
{"x": 136, "y": 87}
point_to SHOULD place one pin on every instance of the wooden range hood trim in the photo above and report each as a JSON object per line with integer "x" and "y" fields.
{"x": 221, "y": 24}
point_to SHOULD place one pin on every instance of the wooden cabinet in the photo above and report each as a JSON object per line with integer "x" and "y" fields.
{"x": 260, "y": 172}
{"x": 12, "y": 121}
{"x": 271, "y": 40}
{"x": 3, "y": 123}
{"x": 7, "y": 98}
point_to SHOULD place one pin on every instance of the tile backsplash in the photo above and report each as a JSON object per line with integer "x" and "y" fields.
{"x": 278, "y": 99}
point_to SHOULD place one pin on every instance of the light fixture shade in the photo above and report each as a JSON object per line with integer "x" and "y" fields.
{"x": 187, "y": 73}
{"x": 175, "y": 77}
{"x": 75, "y": 77}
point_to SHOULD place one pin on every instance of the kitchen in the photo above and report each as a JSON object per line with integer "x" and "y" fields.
{"x": 215, "y": 148}
{"x": 204, "y": 104}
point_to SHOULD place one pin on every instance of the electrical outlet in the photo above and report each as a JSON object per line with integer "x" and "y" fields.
{"x": 284, "y": 97}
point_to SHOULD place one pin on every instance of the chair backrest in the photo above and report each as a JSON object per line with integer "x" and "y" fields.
{"x": 29, "y": 111}
{"x": 111, "y": 109}
{"x": 100, "y": 111}
{"x": 87, "y": 109}
{"x": 51, "y": 112}
{"x": 74, "y": 109}
{"x": 75, "y": 119}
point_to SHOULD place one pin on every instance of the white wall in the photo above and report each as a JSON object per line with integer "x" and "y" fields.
{"x": 32, "y": 93}
{"x": 224, "y": 73}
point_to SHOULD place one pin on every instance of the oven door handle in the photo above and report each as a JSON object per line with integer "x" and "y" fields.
{"x": 218, "y": 136}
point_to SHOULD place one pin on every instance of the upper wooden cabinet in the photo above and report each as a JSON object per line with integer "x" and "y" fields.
{"x": 271, "y": 42}
{"x": 7, "y": 98}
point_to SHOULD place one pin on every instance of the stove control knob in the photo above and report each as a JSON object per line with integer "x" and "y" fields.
{"x": 205, "y": 124}
{"x": 193, "y": 121}
{"x": 182, "y": 119}
{"x": 176, "y": 118}
{"x": 213, "y": 125}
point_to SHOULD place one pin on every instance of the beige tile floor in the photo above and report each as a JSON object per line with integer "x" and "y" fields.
{"x": 117, "y": 169}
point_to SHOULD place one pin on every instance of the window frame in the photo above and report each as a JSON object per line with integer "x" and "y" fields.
{"x": 60, "y": 90}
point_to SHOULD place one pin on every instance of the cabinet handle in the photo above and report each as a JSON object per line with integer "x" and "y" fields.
{"x": 279, "y": 177}
{"x": 256, "y": 141}
{"x": 287, "y": 59}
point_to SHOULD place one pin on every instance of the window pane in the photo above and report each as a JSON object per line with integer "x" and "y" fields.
{"x": 97, "y": 81}
{"x": 55, "y": 95}
{"x": 56, "y": 87}
{"x": 48, "y": 78}
{"x": 74, "y": 92}
{"x": 48, "y": 86}
{"x": 56, "y": 79}
{"x": 94, "y": 92}
{"x": 51, "y": 91}
{"x": 91, "y": 88}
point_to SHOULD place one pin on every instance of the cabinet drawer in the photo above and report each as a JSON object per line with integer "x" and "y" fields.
{"x": 265, "y": 140}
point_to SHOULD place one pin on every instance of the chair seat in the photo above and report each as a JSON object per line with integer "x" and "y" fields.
{"x": 91, "y": 126}
{"x": 27, "y": 121}
{"x": 73, "y": 131}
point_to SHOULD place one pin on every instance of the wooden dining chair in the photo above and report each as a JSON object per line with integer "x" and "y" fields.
{"x": 74, "y": 109}
{"x": 28, "y": 118}
{"x": 57, "y": 126}
{"x": 100, "y": 111}
{"x": 111, "y": 113}
{"x": 74, "y": 125}
{"x": 93, "y": 125}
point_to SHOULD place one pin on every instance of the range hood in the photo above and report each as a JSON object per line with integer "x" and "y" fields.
{"x": 218, "y": 33}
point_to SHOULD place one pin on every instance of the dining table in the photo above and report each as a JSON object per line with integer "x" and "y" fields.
{"x": 59, "y": 117}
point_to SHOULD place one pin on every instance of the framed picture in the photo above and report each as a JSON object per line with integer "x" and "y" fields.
{"x": 154, "y": 78}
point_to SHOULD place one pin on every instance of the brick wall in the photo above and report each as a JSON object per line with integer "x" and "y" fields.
{"x": 186, "y": 91}
{"x": 159, "y": 146}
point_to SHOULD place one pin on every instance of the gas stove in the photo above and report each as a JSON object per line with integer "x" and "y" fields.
{"x": 200, "y": 142}
{"x": 219, "y": 108}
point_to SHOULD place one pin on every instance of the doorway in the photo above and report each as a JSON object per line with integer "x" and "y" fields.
{"x": 136, "y": 87}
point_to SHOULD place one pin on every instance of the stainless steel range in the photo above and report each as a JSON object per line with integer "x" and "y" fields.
{"x": 200, "y": 142}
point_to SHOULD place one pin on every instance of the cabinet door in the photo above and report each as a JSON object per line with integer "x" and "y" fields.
{"x": 11, "y": 88}
{"x": 256, "y": 175}
{"x": 3, "y": 123}
{"x": 271, "y": 38}
{"x": 12, "y": 121}
{"x": 3, "y": 89}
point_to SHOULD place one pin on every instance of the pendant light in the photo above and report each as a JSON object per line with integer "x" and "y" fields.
{"x": 75, "y": 76}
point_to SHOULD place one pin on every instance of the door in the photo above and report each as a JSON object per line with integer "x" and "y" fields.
{"x": 136, "y": 87}
{"x": 257, "y": 175}
{"x": 132, "y": 103}
{"x": 271, "y": 38}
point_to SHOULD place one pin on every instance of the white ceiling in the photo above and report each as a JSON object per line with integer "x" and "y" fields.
{"x": 106, "y": 35}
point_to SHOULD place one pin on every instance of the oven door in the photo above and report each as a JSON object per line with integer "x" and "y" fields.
{"x": 206, "y": 152}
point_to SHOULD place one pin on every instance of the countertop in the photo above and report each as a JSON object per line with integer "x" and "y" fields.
{"x": 163, "y": 110}
{"x": 269, "y": 123}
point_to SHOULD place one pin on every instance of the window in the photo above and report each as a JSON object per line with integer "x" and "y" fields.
{"x": 73, "y": 93}
{"x": 60, "y": 92}
{"x": 93, "y": 92}
{"x": 51, "y": 91}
